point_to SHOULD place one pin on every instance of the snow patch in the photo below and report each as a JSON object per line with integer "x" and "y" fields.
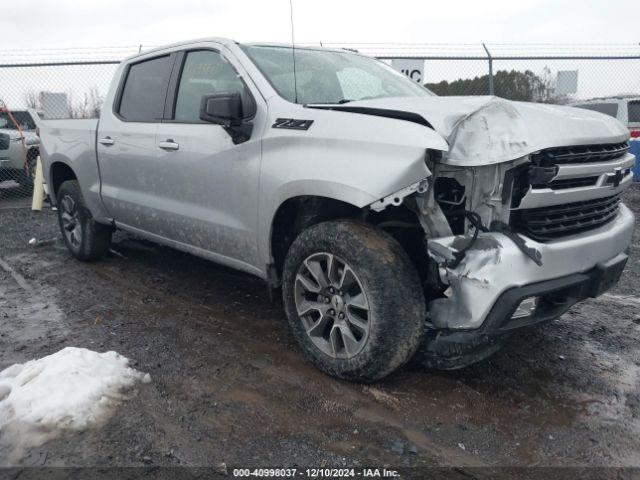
{"x": 71, "y": 390}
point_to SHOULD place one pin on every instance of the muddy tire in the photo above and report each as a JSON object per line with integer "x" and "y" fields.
{"x": 353, "y": 300}
{"x": 85, "y": 238}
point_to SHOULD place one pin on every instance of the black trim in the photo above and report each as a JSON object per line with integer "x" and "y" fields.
{"x": 547, "y": 223}
{"x": 557, "y": 296}
{"x": 580, "y": 154}
{"x": 172, "y": 88}
{"x": 570, "y": 287}
{"x": 378, "y": 112}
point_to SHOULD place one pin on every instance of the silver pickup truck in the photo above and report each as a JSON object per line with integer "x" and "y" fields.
{"x": 18, "y": 146}
{"x": 391, "y": 220}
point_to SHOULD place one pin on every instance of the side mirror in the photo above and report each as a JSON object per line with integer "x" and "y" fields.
{"x": 222, "y": 108}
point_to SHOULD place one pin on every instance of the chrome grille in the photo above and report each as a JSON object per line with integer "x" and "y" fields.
{"x": 547, "y": 223}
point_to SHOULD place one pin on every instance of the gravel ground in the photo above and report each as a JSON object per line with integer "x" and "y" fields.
{"x": 229, "y": 385}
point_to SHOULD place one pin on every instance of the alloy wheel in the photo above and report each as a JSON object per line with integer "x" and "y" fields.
{"x": 332, "y": 305}
{"x": 71, "y": 224}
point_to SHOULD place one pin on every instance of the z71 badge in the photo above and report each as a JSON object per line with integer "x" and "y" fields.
{"x": 292, "y": 123}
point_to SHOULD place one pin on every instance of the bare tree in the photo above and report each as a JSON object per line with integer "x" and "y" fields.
{"x": 88, "y": 106}
{"x": 32, "y": 100}
{"x": 72, "y": 110}
{"x": 95, "y": 102}
{"x": 548, "y": 92}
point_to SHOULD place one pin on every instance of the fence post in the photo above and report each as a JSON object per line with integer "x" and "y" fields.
{"x": 490, "y": 58}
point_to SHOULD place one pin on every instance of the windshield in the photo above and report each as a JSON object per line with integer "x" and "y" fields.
{"x": 23, "y": 118}
{"x": 325, "y": 76}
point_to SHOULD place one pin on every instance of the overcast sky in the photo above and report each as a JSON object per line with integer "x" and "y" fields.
{"x": 73, "y": 23}
{"x": 32, "y": 30}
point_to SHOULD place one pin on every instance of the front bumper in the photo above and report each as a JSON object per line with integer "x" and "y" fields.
{"x": 555, "y": 296}
{"x": 452, "y": 349}
{"x": 478, "y": 296}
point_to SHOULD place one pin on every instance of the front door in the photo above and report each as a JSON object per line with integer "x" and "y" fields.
{"x": 207, "y": 186}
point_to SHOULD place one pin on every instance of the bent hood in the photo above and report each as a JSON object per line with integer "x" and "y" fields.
{"x": 484, "y": 130}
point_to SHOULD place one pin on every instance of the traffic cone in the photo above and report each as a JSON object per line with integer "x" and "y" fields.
{"x": 38, "y": 188}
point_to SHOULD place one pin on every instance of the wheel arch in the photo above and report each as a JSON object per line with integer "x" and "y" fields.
{"x": 59, "y": 172}
{"x": 299, "y": 212}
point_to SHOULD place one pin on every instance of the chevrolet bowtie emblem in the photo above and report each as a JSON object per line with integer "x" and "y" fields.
{"x": 617, "y": 176}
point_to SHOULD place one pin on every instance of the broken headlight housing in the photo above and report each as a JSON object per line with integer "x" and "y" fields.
{"x": 485, "y": 190}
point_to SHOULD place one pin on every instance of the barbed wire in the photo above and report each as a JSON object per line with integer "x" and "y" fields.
{"x": 383, "y": 49}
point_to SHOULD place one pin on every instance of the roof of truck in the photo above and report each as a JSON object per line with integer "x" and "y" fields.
{"x": 228, "y": 41}
{"x": 222, "y": 40}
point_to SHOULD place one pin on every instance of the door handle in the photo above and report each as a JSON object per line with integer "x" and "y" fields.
{"x": 169, "y": 145}
{"x": 107, "y": 141}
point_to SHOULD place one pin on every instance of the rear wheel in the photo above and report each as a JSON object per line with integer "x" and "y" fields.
{"x": 353, "y": 299}
{"x": 85, "y": 238}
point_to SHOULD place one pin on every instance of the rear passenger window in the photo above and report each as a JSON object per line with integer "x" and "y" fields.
{"x": 145, "y": 90}
{"x": 634, "y": 111}
{"x": 206, "y": 72}
{"x": 610, "y": 109}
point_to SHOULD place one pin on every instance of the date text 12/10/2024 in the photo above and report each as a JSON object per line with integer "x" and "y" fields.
{"x": 316, "y": 472}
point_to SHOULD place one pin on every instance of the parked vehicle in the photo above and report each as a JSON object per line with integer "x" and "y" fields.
{"x": 391, "y": 219}
{"x": 19, "y": 146}
{"x": 625, "y": 109}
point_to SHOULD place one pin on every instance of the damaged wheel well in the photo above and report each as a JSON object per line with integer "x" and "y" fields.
{"x": 401, "y": 222}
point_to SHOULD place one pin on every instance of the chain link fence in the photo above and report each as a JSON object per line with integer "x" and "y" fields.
{"x": 65, "y": 83}
{"x": 72, "y": 83}
{"x": 521, "y": 72}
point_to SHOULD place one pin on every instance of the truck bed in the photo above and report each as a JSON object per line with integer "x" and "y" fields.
{"x": 72, "y": 142}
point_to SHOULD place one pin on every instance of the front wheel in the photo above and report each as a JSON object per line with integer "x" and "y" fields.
{"x": 353, "y": 299}
{"x": 85, "y": 238}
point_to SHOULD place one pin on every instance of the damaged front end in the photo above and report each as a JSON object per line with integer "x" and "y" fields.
{"x": 488, "y": 273}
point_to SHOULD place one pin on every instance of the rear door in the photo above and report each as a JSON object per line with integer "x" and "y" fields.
{"x": 127, "y": 147}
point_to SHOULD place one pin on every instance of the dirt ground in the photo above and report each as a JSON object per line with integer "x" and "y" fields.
{"x": 229, "y": 385}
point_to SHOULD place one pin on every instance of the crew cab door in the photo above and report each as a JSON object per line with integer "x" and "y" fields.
{"x": 206, "y": 186}
{"x": 126, "y": 144}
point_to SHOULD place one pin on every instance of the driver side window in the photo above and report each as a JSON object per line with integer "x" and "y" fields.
{"x": 206, "y": 72}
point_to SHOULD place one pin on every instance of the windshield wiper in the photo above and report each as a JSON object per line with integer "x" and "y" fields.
{"x": 337, "y": 102}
